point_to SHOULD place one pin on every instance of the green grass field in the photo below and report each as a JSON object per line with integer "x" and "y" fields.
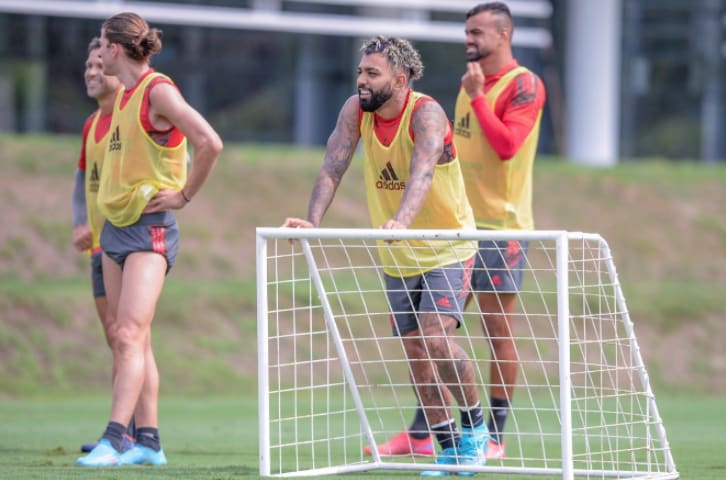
{"x": 215, "y": 438}
{"x": 664, "y": 222}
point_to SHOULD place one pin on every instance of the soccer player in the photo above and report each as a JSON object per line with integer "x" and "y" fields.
{"x": 144, "y": 178}
{"x": 406, "y": 137}
{"x": 87, "y": 220}
{"x": 497, "y": 124}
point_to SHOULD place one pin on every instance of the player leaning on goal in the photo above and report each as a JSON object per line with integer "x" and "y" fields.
{"x": 408, "y": 133}
{"x": 497, "y": 123}
{"x": 87, "y": 219}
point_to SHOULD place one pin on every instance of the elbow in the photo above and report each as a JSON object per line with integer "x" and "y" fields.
{"x": 506, "y": 153}
{"x": 212, "y": 145}
{"x": 216, "y": 145}
{"x": 504, "y": 156}
{"x": 503, "y": 145}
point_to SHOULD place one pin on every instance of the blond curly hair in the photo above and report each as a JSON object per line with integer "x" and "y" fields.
{"x": 399, "y": 53}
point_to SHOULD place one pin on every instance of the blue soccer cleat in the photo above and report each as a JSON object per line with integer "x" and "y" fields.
{"x": 472, "y": 450}
{"x": 446, "y": 457}
{"x": 127, "y": 442}
{"x": 142, "y": 455}
{"x": 455, "y": 456}
{"x": 103, "y": 455}
{"x": 475, "y": 439}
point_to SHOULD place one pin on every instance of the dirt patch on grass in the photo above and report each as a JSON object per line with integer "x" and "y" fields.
{"x": 669, "y": 229}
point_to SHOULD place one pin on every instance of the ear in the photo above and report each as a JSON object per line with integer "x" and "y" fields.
{"x": 400, "y": 80}
{"x": 115, "y": 49}
{"x": 507, "y": 35}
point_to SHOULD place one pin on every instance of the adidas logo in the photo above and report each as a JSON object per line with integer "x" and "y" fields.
{"x": 462, "y": 126}
{"x": 443, "y": 302}
{"x": 388, "y": 180}
{"x": 115, "y": 142}
{"x": 93, "y": 179}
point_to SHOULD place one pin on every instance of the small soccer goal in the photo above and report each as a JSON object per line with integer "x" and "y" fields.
{"x": 333, "y": 379}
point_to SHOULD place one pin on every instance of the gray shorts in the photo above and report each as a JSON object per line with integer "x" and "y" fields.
{"x": 154, "y": 232}
{"x": 441, "y": 290}
{"x": 99, "y": 290}
{"x": 499, "y": 266}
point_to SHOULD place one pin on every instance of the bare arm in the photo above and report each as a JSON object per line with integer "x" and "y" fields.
{"x": 168, "y": 104}
{"x": 338, "y": 155}
{"x": 429, "y": 124}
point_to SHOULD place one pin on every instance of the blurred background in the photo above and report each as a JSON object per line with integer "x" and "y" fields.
{"x": 636, "y": 85}
{"x": 626, "y": 79}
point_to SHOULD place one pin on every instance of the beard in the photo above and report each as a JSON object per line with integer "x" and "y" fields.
{"x": 476, "y": 55}
{"x": 376, "y": 99}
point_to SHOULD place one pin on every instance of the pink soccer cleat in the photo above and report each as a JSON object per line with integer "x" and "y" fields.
{"x": 404, "y": 444}
{"x": 496, "y": 451}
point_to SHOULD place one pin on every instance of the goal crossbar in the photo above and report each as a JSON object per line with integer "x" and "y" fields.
{"x": 332, "y": 379}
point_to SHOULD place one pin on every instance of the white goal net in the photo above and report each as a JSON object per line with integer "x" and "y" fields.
{"x": 333, "y": 378}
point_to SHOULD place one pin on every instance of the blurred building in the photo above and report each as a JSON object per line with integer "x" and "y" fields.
{"x": 625, "y": 78}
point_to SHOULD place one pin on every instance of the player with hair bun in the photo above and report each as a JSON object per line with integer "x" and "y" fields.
{"x": 144, "y": 178}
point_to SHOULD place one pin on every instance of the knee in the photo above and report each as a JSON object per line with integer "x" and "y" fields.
{"x": 496, "y": 340}
{"x": 497, "y": 328}
{"x": 437, "y": 347}
{"x": 111, "y": 335}
{"x": 111, "y": 338}
{"x": 503, "y": 347}
{"x": 420, "y": 352}
{"x": 414, "y": 348}
{"x": 126, "y": 338}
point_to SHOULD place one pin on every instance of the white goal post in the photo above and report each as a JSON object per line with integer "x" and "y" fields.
{"x": 333, "y": 378}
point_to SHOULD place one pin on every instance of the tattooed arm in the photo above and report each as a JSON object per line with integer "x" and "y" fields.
{"x": 338, "y": 155}
{"x": 429, "y": 124}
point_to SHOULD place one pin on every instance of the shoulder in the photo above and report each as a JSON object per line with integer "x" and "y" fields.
{"x": 422, "y": 100}
{"x": 160, "y": 83}
{"x": 161, "y": 90}
{"x": 351, "y": 108}
{"x": 526, "y": 87}
{"x": 428, "y": 119}
{"x": 528, "y": 78}
{"x": 427, "y": 106}
{"x": 351, "y": 103}
{"x": 159, "y": 79}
